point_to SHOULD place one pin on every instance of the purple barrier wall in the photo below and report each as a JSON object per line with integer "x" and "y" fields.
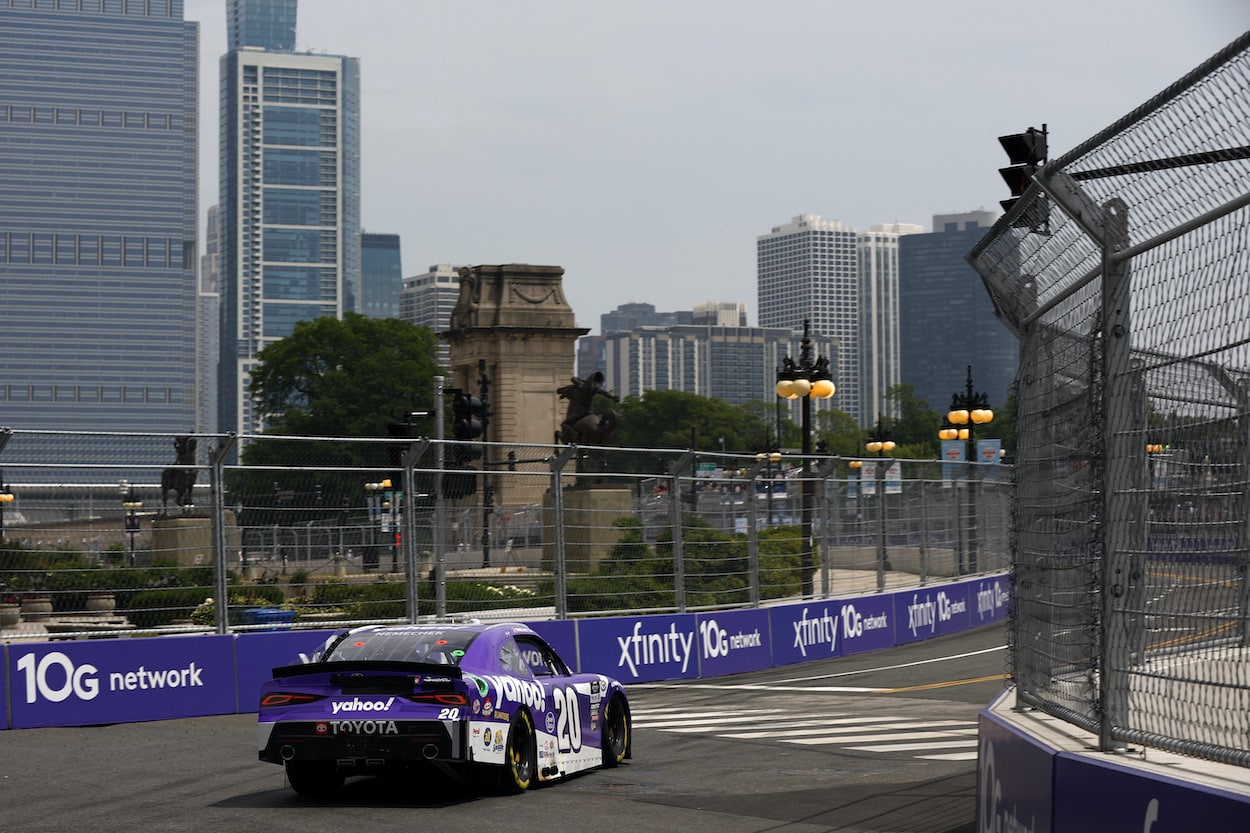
{"x": 733, "y": 641}
{"x": 112, "y": 681}
{"x": 120, "y": 680}
{"x": 1015, "y": 779}
{"x": 929, "y": 612}
{"x": 639, "y": 649}
{"x": 257, "y": 654}
{"x": 1107, "y": 796}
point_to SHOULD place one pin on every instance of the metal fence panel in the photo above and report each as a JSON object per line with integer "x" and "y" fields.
{"x": 1133, "y": 420}
{"x": 306, "y": 532}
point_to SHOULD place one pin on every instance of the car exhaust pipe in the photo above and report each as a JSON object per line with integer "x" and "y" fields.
{"x": 287, "y": 752}
{"x": 430, "y": 751}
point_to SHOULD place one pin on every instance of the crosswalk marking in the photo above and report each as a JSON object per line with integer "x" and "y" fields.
{"x": 854, "y": 726}
{"x": 915, "y": 747}
{"x": 875, "y": 738}
{"x": 938, "y": 740}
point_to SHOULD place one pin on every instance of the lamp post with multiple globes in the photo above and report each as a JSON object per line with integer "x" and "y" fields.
{"x": 807, "y": 379}
{"x": 881, "y": 443}
{"x": 968, "y": 410}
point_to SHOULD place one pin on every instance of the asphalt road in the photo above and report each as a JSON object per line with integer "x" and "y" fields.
{"x": 876, "y": 743}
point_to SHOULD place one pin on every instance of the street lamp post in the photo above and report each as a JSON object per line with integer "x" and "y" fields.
{"x": 880, "y": 443}
{"x": 968, "y": 410}
{"x": 6, "y": 497}
{"x": 807, "y": 379}
{"x": 131, "y": 504}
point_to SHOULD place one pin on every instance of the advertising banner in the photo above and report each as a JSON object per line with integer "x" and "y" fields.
{"x": 90, "y": 682}
{"x": 733, "y": 641}
{"x": 1015, "y": 781}
{"x": 991, "y": 599}
{"x": 807, "y": 631}
{"x": 257, "y": 654}
{"x": 867, "y": 624}
{"x": 1109, "y": 797}
{"x": 640, "y": 649}
{"x": 929, "y": 612}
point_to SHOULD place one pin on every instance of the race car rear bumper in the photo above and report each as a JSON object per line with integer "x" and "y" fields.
{"x": 357, "y": 742}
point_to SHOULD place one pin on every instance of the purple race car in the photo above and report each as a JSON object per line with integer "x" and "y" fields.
{"x": 494, "y": 700}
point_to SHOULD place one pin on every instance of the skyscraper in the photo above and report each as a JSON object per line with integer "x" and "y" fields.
{"x": 427, "y": 301}
{"x": 731, "y": 363}
{"x": 269, "y": 24}
{"x": 808, "y": 270}
{"x": 381, "y": 275}
{"x": 289, "y": 196}
{"x": 878, "y": 317}
{"x": 946, "y": 318}
{"x": 98, "y": 216}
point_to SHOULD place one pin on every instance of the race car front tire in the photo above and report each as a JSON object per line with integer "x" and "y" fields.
{"x": 615, "y": 732}
{"x": 312, "y": 779}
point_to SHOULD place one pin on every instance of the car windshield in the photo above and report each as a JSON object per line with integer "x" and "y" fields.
{"x": 444, "y": 647}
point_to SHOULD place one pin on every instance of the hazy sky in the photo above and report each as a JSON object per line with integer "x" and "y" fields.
{"x": 644, "y": 145}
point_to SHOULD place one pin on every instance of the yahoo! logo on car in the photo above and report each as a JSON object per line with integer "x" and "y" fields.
{"x": 358, "y": 705}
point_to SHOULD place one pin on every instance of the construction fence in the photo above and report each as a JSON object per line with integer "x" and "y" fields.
{"x": 1125, "y": 271}
{"x": 235, "y": 534}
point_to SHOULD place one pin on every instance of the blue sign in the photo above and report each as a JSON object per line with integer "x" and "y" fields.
{"x": 733, "y": 641}
{"x": 806, "y": 631}
{"x": 991, "y": 599}
{"x": 640, "y": 649}
{"x": 85, "y": 683}
{"x": 867, "y": 624}
{"x": 931, "y": 611}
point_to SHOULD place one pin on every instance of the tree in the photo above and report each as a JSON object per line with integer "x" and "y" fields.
{"x": 344, "y": 378}
{"x": 675, "y": 419}
{"x": 915, "y": 430}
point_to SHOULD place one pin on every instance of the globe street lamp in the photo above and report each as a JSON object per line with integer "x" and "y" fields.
{"x": 968, "y": 410}
{"x": 807, "y": 379}
{"x": 881, "y": 443}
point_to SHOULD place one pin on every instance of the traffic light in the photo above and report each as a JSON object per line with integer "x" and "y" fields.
{"x": 468, "y": 413}
{"x": 1027, "y": 152}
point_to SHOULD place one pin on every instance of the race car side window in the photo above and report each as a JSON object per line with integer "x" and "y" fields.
{"x": 542, "y": 661}
{"x": 512, "y": 659}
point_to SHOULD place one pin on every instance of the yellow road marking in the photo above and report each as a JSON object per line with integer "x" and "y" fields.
{"x": 929, "y": 686}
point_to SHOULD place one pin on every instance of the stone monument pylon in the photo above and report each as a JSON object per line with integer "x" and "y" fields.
{"x": 515, "y": 321}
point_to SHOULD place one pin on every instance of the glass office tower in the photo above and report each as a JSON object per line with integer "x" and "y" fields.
{"x": 946, "y": 318}
{"x": 381, "y": 275}
{"x": 289, "y": 205}
{"x": 98, "y": 216}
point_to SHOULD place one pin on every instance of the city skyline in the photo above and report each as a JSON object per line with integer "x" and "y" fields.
{"x": 642, "y": 148}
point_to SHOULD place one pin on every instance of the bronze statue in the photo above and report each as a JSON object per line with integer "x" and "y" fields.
{"x": 582, "y": 426}
{"x": 179, "y": 481}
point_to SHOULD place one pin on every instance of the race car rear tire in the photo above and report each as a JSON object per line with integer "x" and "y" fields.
{"x": 520, "y": 767}
{"x": 313, "y": 778}
{"x": 616, "y": 731}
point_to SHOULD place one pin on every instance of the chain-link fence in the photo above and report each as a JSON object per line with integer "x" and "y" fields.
{"x": 305, "y": 532}
{"x": 1124, "y": 271}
